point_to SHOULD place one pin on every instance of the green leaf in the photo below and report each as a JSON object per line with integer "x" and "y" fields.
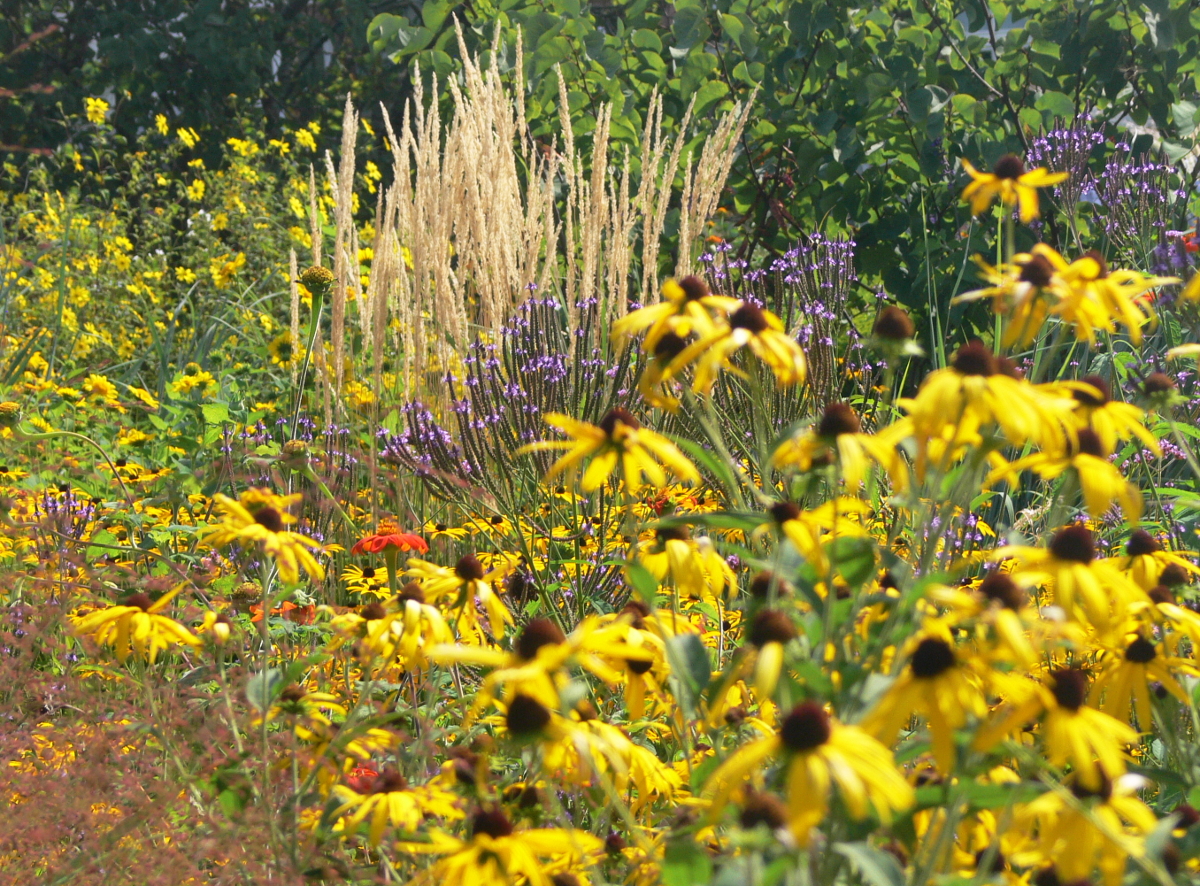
{"x": 690, "y": 26}
{"x": 854, "y": 559}
{"x": 876, "y": 867}
{"x": 1057, "y": 104}
{"x": 261, "y": 688}
{"x": 691, "y": 669}
{"x": 685, "y": 863}
{"x": 215, "y": 413}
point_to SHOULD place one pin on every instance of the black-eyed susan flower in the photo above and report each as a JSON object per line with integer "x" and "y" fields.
{"x": 1132, "y": 662}
{"x": 1100, "y": 481}
{"x": 1088, "y": 589}
{"x": 1092, "y": 297}
{"x": 1079, "y": 829}
{"x": 748, "y": 326}
{"x": 458, "y": 589}
{"x": 818, "y": 753}
{"x": 1092, "y": 742}
{"x": 687, "y": 308}
{"x": 1009, "y": 181}
{"x": 1113, "y": 421}
{"x": 136, "y": 625}
{"x": 939, "y": 683}
{"x": 386, "y": 800}
{"x": 770, "y": 631}
{"x": 1021, "y": 292}
{"x": 838, "y": 436}
{"x": 1145, "y": 560}
{"x": 496, "y": 852}
{"x": 440, "y": 529}
{"x": 259, "y": 519}
{"x": 618, "y": 442}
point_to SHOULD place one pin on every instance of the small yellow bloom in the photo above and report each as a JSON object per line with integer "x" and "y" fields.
{"x": 136, "y": 625}
{"x": 1009, "y": 181}
{"x": 96, "y": 109}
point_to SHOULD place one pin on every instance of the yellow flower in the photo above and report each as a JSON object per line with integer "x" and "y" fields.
{"x": 195, "y": 191}
{"x": 937, "y": 684}
{"x": 688, "y": 308}
{"x": 96, "y": 109}
{"x": 258, "y": 519}
{"x": 284, "y": 350}
{"x": 387, "y": 799}
{"x": 136, "y": 625}
{"x": 619, "y": 441}
{"x": 1126, "y": 672}
{"x": 459, "y": 587}
{"x": 838, "y": 435}
{"x": 1009, "y": 181}
{"x": 820, "y": 753}
{"x": 748, "y": 326}
{"x": 497, "y": 854}
{"x": 1020, "y": 291}
{"x": 160, "y": 123}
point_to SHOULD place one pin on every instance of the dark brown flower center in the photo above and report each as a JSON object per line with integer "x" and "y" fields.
{"x": 1188, "y": 815}
{"x": 678, "y": 532}
{"x": 1000, "y": 587}
{"x": 805, "y": 728}
{"x": 411, "y": 591}
{"x": 538, "y": 633}
{"x": 368, "y": 572}
{"x": 469, "y": 568}
{"x": 526, "y": 716}
{"x": 638, "y": 666}
{"x": 1174, "y": 575}
{"x": 783, "y": 511}
{"x": 764, "y": 809}
{"x": 932, "y": 658}
{"x": 372, "y": 612}
{"x": 389, "y": 780}
{"x": 1157, "y": 383}
{"x": 838, "y": 419}
{"x": 1161, "y": 594}
{"x": 1074, "y": 544}
{"x": 750, "y": 317}
{"x": 1010, "y": 166}
{"x": 492, "y": 822}
{"x": 608, "y": 424}
{"x": 669, "y": 347}
{"x": 1103, "y": 791}
{"x": 1141, "y": 543}
{"x": 1088, "y": 443}
{"x": 694, "y": 288}
{"x": 270, "y": 518}
{"x": 1037, "y": 271}
{"x": 894, "y": 324}
{"x": 1099, "y": 397}
{"x": 636, "y": 611}
{"x": 141, "y": 600}
{"x": 771, "y": 626}
{"x": 1140, "y": 651}
{"x": 1069, "y": 686}
{"x": 292, "y": 694}
{"x": 974, "y": 358}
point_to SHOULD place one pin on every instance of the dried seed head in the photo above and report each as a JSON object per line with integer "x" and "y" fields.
{"x": 538, "y": 633}
{"x": 894, "y": 324}
{"x": 1157, "y": 383}
{"x": 770, "y": 626}
{"x": 838, "y": 419}
{"x": 932, "y": 658}
{"x": 764, "y": 809}
{"x": 1074, "y": 544}
{"x": 1010, "y": 166}
{"x": 317, "y": 280}
{"x": 805, "y": 728}
{"x": 974, "y": 358}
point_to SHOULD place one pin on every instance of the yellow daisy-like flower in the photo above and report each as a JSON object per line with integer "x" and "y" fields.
{"x": 258, "y": 519}
{"x": 458, "y": 589}
{"x": 387, "y": 800}
{"x": 619, "y": 441}
{"x": 936, "y": 684}
{"x": 1019, "y": 291}
{"x": 136, "y": 625}
{"x": 1111, "y": 419}
{"x": 838, "y": 435}
{"x": 688, "y": 308}
{"x": 1009, "y": 181}
{"x": 497, "y": 853}
{"x": 819, "y": 753}
{"x": 748, "y": 326}
{"x": 1127, "y": 672}
{"x": 1145, "y": 561}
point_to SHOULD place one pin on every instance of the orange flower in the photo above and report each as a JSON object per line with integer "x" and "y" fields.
{"x": 303, "y": 615}
{"x": 388, "y": 537}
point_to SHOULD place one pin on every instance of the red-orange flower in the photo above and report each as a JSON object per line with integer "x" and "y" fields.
{"x": 389, "y": 538}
